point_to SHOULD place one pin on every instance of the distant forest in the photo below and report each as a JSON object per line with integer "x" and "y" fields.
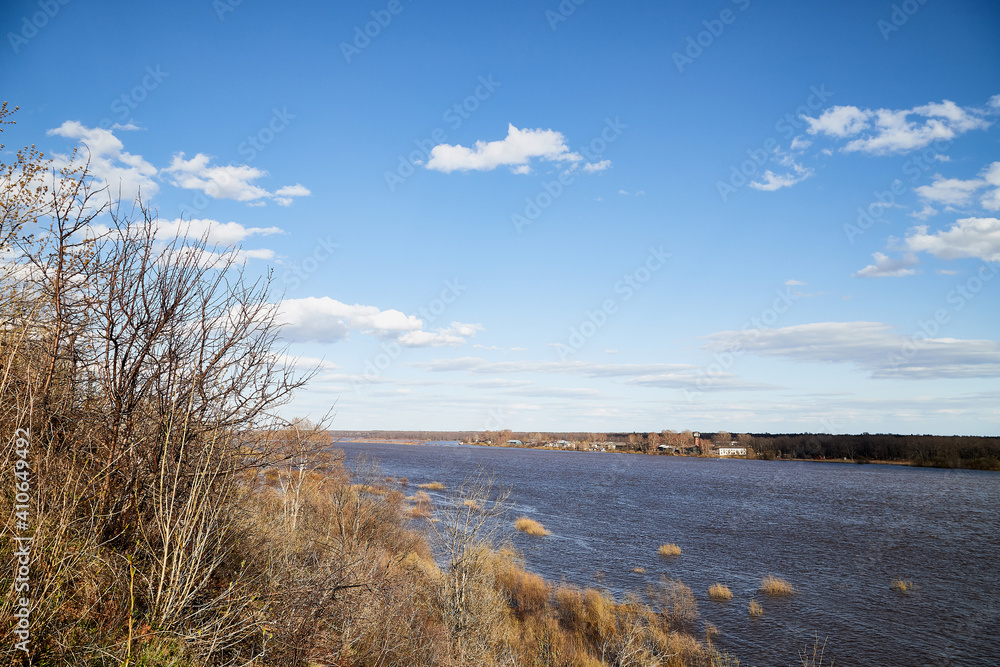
{"x": 946, "y": 451}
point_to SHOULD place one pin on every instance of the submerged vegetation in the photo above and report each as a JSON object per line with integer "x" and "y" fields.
{"x": 719, "y": 592}
{"x": 754, "y": 609}
{"x": 901, "y": 586}
{"x": 776, "y": 587}
{"x": 530, "y": 526}
{"x": 667, "y": 550}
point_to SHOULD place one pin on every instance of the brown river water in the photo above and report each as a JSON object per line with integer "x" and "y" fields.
{"x": 839, "y": 533}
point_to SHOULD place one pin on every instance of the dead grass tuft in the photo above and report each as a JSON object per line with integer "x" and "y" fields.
{"x": 719, "y": 592}
{"x": 530, "y": 526}
{"x": 432, "y": 486}
{"x": 901, "y": 586}
{"x": 755, "y": 609}
{"x": 776, "y": 587}
{"x": 667, "y": 550}
{"x": 639, "y": 570}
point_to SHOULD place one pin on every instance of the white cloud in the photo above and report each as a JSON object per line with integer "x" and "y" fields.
{"x": 949, "y": 191}
{"x": 297, "y": 190}
{"x": 326, "y": 320}
{"x": 215, "y": 232}
{"x": 800, "y": 144}
{"x": 323, "y": 320}
{"x": 109, "y": 163}
{"x": 772, "y": 181}
{"x": 991, "y": 176}
{"x": 220, "y": 182}
{"x": 597, "y": 166}
{"x": 872, "y": 346}
{"x": 839, "y": 121}
{"x": 516, "y": 150}
{"x": 454, "y": 335}
{"x": 793, "y": 282}
{"x": 968, "y": 237}
{"x": 884, "y": 131}
{"x": 924, "y": 213}
{"x": 665, "y": 376}
{"x": 886, "y": 267}
{"x": 234, "y": 181}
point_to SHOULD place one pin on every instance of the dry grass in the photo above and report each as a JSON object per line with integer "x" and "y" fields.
{"x": 530, "y": 526}
{"x": 756, "y": 611}
{"x": 472, "y": 504}
{"x": 776, "y": 587}
{"x": 432, "y": 486}
{"x": 901, "y": 586}
{"x": 719, "y": 592}
{"x": 639, "y": 570}
{"x": 668, "y": 550}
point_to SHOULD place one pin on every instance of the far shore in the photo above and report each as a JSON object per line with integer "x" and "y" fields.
{"x": 387, "y": 441}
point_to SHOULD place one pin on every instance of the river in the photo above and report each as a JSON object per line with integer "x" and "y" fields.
{"x": 839, "y": 533}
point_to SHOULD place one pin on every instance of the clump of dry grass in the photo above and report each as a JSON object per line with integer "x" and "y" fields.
{"x": 639, "y": 570}
{"x": 530, "y": 526}
{"x": 472, "y": 504}
{"x": 901, "y": 586}
{"x": 433, "y": 486}
{"x": 775, "y": 586}
{"x": 667, "y": 550}
{"x": 719, "y": 592}
{"x": 755, "y": 609}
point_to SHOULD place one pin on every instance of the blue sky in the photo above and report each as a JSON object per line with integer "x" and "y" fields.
{"x": 589, "y": 216}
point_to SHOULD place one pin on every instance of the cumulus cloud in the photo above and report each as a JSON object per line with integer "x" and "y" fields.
{"x": 968, "y": 237}
{"x": 234, "y": 181}
{"x": 885, "y": 131}
{"x": 591, "y": 167}
{"x": 872, "y": 346}
{"x": 323, "y": 320}
{"x": 326, "y": 320}
{"x": 215, "y": 232}
{"x": 886, "y": 267}
{"x": 958, "y": 192}
{"x": 120, "y": 170}
{"x": 516, "y": 151}
{"x": 842, "y": 121}
{"x": 297, "y": 190}
{"x": 220, "y": 182}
